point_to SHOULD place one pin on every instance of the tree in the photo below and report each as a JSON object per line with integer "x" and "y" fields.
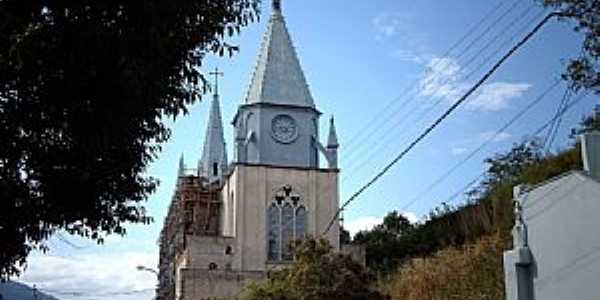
{"x": 85, "y": 87}
{"x": 583, "y": 72}
{"x": 345, "y": 237}
{"x": 318, "y": 273}
{"x": 396, "y": 223}
{"x": 383, "y": 243}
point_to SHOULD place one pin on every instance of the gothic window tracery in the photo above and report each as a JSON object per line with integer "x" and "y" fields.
{"x": 286, "y": 223}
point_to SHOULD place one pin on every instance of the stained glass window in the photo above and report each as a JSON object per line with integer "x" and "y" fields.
{"x": 286, "y": 221}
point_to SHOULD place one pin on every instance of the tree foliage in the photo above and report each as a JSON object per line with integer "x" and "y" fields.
{"x": 584, "y": 71}
{"x": 84, "y": 90}
{"x": 318, "y": 273}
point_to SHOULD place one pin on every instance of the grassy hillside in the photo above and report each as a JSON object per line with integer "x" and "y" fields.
{"x": 468, "y": 272}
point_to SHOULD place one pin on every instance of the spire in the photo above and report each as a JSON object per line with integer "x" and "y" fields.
{"x": 332, "y": 141}
{"x": 214, "y": 153}
{"x": 278, "y": 77}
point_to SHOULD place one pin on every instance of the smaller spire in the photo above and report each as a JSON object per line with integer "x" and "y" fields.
{"x": 277, "y": 7}
{"x": 332, "y": 141}
{"x": 181, "y": 171}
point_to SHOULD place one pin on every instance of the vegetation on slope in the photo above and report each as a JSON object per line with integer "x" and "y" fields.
{"x": 457, "y": 252}
{"x": 468, "y": 272}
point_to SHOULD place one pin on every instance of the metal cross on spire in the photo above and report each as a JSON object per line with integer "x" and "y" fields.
{"x": 216, "y": 73}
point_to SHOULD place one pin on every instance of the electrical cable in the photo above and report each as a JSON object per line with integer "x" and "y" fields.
{"x": 443, "y": 117}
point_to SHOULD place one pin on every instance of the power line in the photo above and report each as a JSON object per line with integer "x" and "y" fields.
{"x": 537, "y": 132}
{"x": 552, "y": 133}
{"x": 489, "y": 140}
{"x": 402, "y": 120}
{"x": 471, "y": 31}
{"x": 430, "y": 109}
{"x": 441, "y": 118}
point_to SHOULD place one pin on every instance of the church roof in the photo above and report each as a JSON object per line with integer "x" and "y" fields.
{"x": 278, "y": 77}
{"x": 214, "y": 150}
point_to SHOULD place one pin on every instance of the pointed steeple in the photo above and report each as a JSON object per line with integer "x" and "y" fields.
{"x": 214, "y": 153}
{"x": 181, "y": 171}
{"x": 332, "y": 141}
{"x": 278, "y": 77}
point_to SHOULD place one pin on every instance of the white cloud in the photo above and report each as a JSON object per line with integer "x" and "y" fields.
{"x": 412, "y": 217}
{"x": 444, "y": 80}
{"x": 362, "y": 223}
{"x": 496, "y": 137}
{"x": 400, "y": 32}
{"x": 387, "y": 25}
{"x": 497, "y": 95}
{"x": 88, "y": 276}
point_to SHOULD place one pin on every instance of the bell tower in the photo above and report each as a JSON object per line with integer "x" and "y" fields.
{"x": 278, "y": 122}
{"x": 277, "y": 191}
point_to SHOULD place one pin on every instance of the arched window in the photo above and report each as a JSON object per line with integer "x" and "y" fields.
{"x": 286, "y": 222}
{"x": 215, "y": 169}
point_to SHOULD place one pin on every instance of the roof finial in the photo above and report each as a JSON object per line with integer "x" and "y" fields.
{"x": 216, "y": 73}
{"x": 277, "y": 6}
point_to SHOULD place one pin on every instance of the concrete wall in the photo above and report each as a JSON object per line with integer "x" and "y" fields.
{"x": 219, "y": 284}
{"x": 562, "y": 219}
{"x": 204, "y": 250}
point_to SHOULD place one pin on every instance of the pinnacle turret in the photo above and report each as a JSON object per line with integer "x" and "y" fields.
{"x": 332, "y": 141}
{"x": 181, "y": 171}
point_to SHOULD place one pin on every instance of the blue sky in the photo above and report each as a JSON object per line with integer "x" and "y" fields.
{"x": 359, "y": 58}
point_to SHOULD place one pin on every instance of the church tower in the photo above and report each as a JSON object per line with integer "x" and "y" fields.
{"x": 277, "y": 191}
{"x": 278, "y": 122}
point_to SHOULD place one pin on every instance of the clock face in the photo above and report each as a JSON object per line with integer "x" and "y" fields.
{"x": 284, "y": 129}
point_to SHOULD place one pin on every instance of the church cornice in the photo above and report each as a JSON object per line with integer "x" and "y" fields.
{"x": 276, "y": 106}
{"x": 320, "y": 170}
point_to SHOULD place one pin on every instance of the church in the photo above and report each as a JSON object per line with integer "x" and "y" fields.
{"x": 229, "y": 222}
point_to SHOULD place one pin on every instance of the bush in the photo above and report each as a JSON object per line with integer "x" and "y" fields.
{"x": 470, "y": 272}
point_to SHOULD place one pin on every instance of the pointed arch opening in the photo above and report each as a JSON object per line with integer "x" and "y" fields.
{"x": 286, "y": 223}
